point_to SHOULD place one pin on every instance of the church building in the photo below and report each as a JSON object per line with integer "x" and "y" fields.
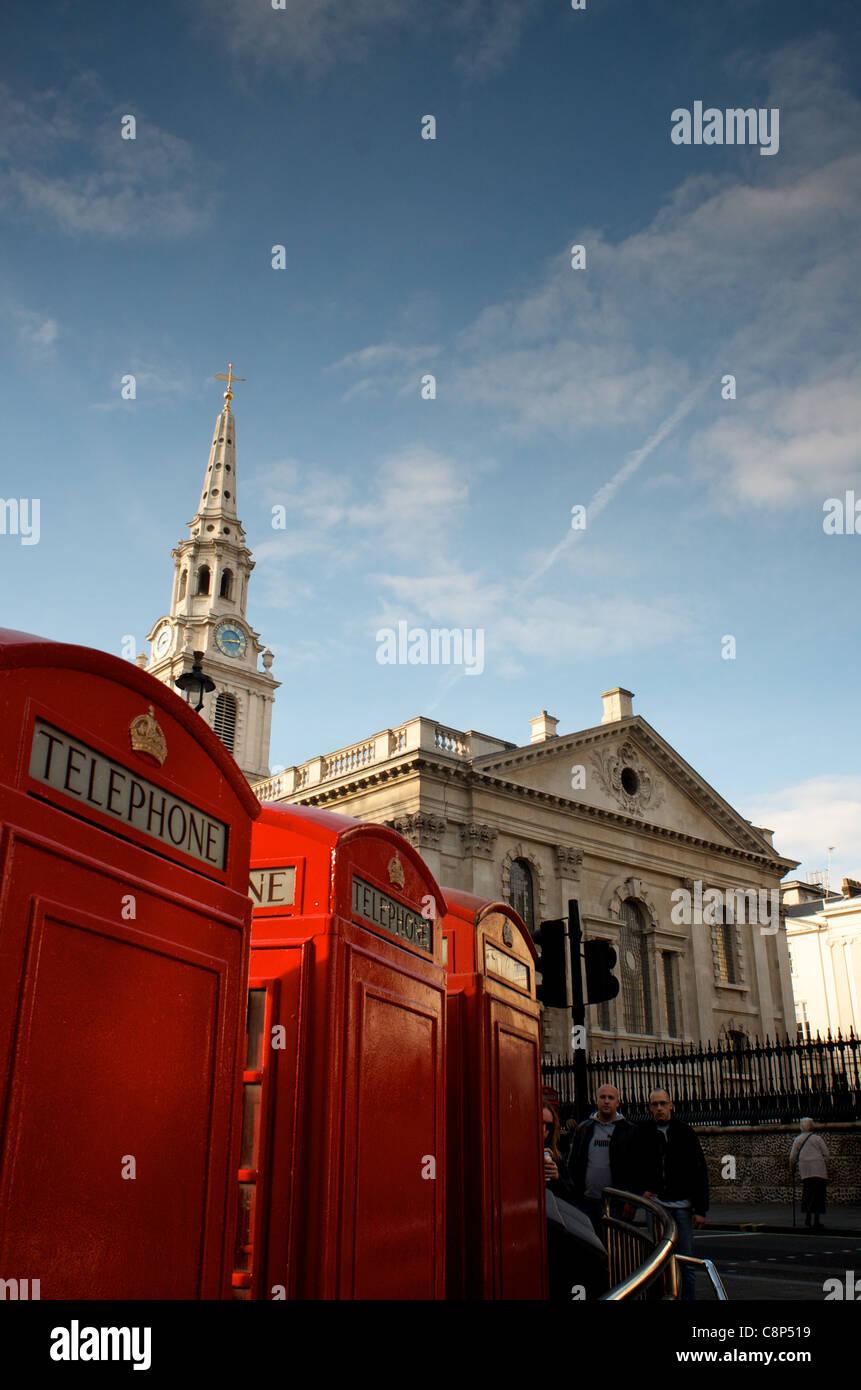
{"x": 610, "y": 815}
{"x": 208, "y": 613}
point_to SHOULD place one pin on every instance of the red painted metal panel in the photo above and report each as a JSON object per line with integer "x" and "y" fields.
{"x": 495, "y": 1186}
{"x": 355, "y": 1109}
{"x": 393, "y": 1222}
{"x": 123, "y": 959}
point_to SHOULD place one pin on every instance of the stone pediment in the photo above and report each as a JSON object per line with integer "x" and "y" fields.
{"x": 628, "y": 769}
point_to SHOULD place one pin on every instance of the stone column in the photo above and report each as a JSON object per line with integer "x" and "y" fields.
{"x": 660, "y": 1018}
{"x": 477, "y": 841}
{"x": 787, "y": 997}
{"x": 700, "y": 1021}
{"x": 568, "y": 863}
{"x": 763, "y": 981}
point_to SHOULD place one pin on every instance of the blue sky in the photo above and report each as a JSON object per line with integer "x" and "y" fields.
{"x": 554, "y": 386}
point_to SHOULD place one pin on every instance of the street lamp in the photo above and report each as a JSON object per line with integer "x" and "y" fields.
{"x": 194, "y": 682}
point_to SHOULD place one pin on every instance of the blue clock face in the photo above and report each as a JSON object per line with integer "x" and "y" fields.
{"x": 230, "y": 639}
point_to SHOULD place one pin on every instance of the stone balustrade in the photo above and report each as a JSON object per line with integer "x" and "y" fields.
{"x": 419, "y": 733}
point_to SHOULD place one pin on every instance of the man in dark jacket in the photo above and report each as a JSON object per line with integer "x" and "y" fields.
{"x": 599, "y": 1154}
{"x": 669, "y": 1165}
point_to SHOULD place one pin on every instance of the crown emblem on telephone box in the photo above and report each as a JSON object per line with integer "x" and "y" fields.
{"x": 396, "y": 871}
{"x": 147, "y": 736}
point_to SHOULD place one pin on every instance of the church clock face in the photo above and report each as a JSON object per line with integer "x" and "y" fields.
{"x": 230, "y": 639}
{"x": 162, "y": 643}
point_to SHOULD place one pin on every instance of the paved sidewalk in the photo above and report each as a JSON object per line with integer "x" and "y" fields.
{"x": 777, "y": 1216}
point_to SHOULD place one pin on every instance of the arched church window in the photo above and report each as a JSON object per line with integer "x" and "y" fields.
{"x": 224, "y": 722}
{"x": 520, "y": 893}
{"x": 183, "y": 585}
{"x": 634, "y": 969}
{"x": 226, "y": 590}
{"x": 203, "y": 579}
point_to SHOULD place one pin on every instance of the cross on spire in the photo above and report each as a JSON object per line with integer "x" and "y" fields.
{"x": 229, "y": 378}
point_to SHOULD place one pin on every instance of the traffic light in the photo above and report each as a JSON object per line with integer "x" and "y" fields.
{"x": 601, "y": 983}
{"x": 552, "y": 990}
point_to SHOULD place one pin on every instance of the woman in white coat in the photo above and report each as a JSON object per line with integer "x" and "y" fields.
{"x": 809, "y": 1153}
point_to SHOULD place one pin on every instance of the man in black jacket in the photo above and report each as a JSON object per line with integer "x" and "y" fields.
{"x": 669, "y": 1165}
{"x": 599, "y": 1154}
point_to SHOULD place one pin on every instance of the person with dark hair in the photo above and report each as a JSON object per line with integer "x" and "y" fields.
{"x": 556, "y": 1177}
{"x": 668, "y": 1164}
{"x": 809, "y": 1154}
{"x": 577, "y": 1259}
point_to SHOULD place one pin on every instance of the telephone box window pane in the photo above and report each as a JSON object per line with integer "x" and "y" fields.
{"x": 256, "y": 1014}
{"x": 244, "y": 1226}
{"x": 250, "y": 1125}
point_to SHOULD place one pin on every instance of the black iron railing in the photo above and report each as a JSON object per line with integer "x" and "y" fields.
{"x": 770, "y": 1082}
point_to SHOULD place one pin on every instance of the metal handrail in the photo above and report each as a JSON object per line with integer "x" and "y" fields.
{"x": 711, "y": 1270}
{"x": 661, "y": 1259}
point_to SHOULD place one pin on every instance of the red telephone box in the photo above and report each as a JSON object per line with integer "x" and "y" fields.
{"x": 125, "y": 832}
{"x": 342, "y": 1172}
{"x": 497, "y": 1237}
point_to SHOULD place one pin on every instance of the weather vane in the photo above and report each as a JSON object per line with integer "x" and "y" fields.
{"x": 229, "y": 378}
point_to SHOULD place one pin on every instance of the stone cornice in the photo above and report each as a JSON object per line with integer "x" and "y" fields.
{"x": 472, "y": 777}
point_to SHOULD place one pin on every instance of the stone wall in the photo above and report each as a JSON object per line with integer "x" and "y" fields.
{"x": 761, "y": 1155}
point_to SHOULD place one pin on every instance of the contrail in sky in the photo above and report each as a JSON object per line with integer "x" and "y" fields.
{"x": 605, "y": 494}
{"x": 596, "y": 505}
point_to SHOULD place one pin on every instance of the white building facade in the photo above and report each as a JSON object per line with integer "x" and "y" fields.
{"x": 611, "y": 816}
{"x": 824, "y": 941}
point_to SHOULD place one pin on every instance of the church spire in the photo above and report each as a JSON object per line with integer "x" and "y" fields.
{"x": 218, "y": 498}
{"x": 207, "y": 611}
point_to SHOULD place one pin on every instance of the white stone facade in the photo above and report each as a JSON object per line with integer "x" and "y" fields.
{"x": 825, "y": 952}
{"x": 611, "y": 816}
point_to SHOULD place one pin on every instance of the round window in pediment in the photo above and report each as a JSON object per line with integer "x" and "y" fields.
{"x": 630, "y": 781}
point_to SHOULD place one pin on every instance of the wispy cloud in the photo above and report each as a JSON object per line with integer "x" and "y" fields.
{"x": 56, "y": 169}
{"x": 809, "y": 816}
{"x": 746, "y": 269}
{"x": 484, "y": 35}
{"x": 154, "y": 383}
{"x": 385, "y": 369}
{"x": 407, "y": 508}
{"x": 36, "y": 333}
